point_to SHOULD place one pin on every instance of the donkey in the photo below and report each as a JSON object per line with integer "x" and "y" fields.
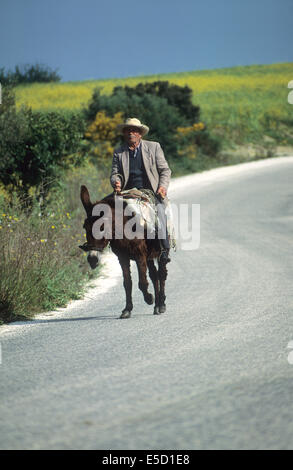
{"x": 143, "y": 251}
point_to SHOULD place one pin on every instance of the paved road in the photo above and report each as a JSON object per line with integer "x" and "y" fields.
{"x": 211, "y": 373}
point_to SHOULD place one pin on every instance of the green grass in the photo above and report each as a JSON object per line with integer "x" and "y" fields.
{"x": 41, "y": 265}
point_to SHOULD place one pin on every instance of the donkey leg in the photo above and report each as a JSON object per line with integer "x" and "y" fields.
{"x": 143, "y": 282}
{"x": 127, "y": 283}
{"x": 163, "y": 273}
{"x": 153, "y": 272}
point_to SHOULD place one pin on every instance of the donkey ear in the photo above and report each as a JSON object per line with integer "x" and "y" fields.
{"x": 85, "y": 199}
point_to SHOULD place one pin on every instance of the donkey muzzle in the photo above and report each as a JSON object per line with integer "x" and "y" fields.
{"x": 93, "y": 255}
{"x": 93, "y": 258}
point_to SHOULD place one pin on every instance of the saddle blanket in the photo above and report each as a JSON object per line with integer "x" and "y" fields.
{"x": 143, "y": 203}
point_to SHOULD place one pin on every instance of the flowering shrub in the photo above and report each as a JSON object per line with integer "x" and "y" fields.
{"x": 101, "y": 135}
{"x": 195, "y": 140}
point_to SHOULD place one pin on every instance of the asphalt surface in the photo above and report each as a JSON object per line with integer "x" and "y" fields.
{"x": 213, "y": 372}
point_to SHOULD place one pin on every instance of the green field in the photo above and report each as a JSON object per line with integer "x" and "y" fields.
{"x": 239, "y": 104}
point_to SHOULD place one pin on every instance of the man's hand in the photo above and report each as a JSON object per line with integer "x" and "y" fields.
{"x": 162, "y": 192}
{"x": 117, "y": 186}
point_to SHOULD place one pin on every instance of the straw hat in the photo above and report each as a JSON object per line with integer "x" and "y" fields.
{"x": 133, "y": 122}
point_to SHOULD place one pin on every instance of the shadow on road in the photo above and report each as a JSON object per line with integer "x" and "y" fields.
{"x": 72, "y": 319}
{"x": 56, "y": 320}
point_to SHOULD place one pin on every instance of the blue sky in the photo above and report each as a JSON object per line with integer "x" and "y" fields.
{"x": 87, "y": 39}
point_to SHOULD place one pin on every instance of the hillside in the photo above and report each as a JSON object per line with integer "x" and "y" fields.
{"x": 243, "y": 105}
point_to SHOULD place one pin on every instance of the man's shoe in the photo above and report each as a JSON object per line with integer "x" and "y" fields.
{"x": 164, "y": 258}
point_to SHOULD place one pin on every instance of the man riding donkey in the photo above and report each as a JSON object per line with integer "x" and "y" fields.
{"x": 141, "y": 164}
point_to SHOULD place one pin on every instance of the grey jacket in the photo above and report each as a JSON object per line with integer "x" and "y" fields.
{"x": 156, "y": 166}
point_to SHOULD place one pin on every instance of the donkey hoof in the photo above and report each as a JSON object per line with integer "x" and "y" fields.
{"x": 157, "y": 311}
{"x": 162, "y": 308}
{"x": 149, "y": 298}
{"x": 125, "y": 314}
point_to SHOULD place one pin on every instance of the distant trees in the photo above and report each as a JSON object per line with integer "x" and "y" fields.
{"x": 155, "y": 111}
{"x": 167, "y": 109}
{"x": 177, "y": 96}
{"x": 28, "y": 74}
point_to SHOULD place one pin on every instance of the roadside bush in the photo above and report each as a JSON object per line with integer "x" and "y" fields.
{"x": 195, "y": 140}
{"x": 35, "y": 147}
{"x": 101, "y": 138}
{"x": 41, "y": 266}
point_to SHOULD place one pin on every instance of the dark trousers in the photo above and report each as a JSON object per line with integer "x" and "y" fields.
{"x": 162, "y": 231}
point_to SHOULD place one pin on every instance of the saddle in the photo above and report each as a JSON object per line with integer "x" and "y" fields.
{"x": 143, "y": 203}
{"x": 133, "y": 194}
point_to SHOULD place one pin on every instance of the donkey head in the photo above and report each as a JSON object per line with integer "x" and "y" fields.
{"x": 96, "y": 237}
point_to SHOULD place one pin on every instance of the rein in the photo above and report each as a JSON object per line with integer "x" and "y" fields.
{"x": 86, "y": 247}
